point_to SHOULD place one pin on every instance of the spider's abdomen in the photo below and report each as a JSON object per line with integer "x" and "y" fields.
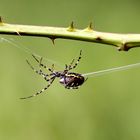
{"x": 72, "y": 80}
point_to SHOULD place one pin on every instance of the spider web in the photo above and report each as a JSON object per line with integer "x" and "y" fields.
{"x": 106, "y": 71}
{"x": 23, "y": 48}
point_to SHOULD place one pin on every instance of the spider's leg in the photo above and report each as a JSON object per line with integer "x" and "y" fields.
{"x": 35, "y": 58}
{"x": 67, "y": 87}
{"x": 74, "y": 66}
{"x": 71, "y": 63}
{"x": 40, "y": 72}
{"x": 41, "y": 91}
{"x": 42, "y": 65}
{"x": 66, "y": 66}
{"x": 69, "y": 67}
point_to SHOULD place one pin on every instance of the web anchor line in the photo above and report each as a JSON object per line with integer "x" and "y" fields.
{"x": 27, "y": 50}
{"x": 90, "y": 74}
{"x": 106, "y": 71}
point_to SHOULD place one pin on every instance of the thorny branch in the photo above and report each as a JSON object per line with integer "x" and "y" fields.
{"x": 123, "y": 42}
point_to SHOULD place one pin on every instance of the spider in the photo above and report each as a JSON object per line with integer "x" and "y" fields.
{"x": 70, "y": 80}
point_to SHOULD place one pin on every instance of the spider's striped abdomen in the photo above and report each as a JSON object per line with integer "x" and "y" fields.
{"x": 72, "y": 79}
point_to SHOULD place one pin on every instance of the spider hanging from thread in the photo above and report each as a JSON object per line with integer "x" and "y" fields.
{"x": 70, "y": 80}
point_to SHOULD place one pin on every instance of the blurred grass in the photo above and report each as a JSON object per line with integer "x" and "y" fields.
{"x": 104, "y": 108}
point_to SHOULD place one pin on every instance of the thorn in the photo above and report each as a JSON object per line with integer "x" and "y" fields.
{"x": 0, "y": 19}
{"x": 53, "y": 39}
{"x": 1, "y": 22}
{"x": 90, "y": 27}
{"x": 71, "y": 27}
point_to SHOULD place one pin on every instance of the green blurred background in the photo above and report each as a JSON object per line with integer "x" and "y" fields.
{"x": 104, "y": 108}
